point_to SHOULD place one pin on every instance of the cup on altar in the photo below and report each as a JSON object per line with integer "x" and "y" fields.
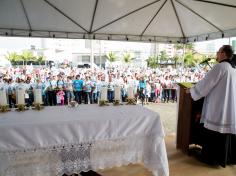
{"x": 20, "y": 96}
{"x": 103, "y": 94}
{"x": 38, "y": 96}
{"x": 117, "y": 93}
{"x": 3, "y": 97}
{"x": 130, "y": 92}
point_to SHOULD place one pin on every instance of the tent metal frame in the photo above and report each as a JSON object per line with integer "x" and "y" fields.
{"x": 65, "y": 15}
{"x": 94, "y": 33}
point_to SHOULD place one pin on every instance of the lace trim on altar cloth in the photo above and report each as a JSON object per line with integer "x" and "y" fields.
{"x": 83, "y": 157}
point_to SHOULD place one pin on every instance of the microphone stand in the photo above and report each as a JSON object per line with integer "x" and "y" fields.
{"x": 208, "y": 64}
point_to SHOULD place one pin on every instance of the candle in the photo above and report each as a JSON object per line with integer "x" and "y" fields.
{"x": 130, "y": 92}
{"x": 38, "y": 96}
{"x": 21, "y": 96}
{"x": 117, "y": 93}
{"x": 3, "y": 98}
{"x": 103, "y": 93}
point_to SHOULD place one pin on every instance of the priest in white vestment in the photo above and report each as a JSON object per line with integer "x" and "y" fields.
{"x": 218, "y": 116}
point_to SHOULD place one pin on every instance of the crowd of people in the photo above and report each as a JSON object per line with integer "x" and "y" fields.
{"x": 62, "y": 85}
{"x": 216, "y": 126}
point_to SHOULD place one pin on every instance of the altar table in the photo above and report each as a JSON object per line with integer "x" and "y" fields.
{"x": 60, "y": 139}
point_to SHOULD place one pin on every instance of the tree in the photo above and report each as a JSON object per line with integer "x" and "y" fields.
{"x": 199, "y": 57}
{"x": 163, "y": 56}
{"x": 152, "y": 61}
{"x": 189, "y": 60}
{"x": 111, "y": 57}
{"x": 188, "y": 50}
{"x": 179, "y": 46}
{"x": 40, "y": 59}
{"x": 28, "y": 56}
{"x": 176, "y": 59}
{"x": 13, "y": 57}
{"x": 127, "y": 58}
{"x": 188, "y": 46}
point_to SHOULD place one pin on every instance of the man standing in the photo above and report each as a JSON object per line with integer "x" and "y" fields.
{"x": 78, "y": 87}
{"x": 218, "y": 134}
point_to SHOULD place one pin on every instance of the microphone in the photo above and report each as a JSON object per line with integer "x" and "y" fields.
{"x": 205, "y": 61}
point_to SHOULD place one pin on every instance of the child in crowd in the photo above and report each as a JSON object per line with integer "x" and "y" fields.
{"x": 60, "y": 97}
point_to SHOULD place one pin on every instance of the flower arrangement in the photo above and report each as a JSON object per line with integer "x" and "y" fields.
{"x": 103, "y": 103}
{"x": 38, "y": 106}
{"x": 4, "y": 108}
{"x": 116, "y": 103}
{"x": 131, "y": 101}
{"x": 73, "y": 104}
{"x": 21, "y": 107}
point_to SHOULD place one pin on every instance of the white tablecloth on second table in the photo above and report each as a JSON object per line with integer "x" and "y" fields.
{"x": 61, "y": 140}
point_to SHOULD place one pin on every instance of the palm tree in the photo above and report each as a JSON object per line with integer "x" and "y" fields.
{"x": 189, "y": 59}
{"x": 40, "y": 59}
{"x": 178, "y": 46}
{"x": 27, "y": 56}
{"x": 152, "y": 61}
{"x": 199, "y": 57}
{"x": 127, "y": 58}
{"x": 163, "y": 56}
{"x": 176, "y": 59}
{"x": 111, "y": 57}
{"x": 13, "y": 57}
{"x": 188, "y": 50}
{"x": 188, "y": 46}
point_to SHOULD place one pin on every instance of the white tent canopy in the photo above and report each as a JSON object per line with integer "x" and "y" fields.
{"x": 132, "y": 20}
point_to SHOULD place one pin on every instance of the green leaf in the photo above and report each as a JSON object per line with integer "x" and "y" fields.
{"x": 152, "y": 61}
{"x": 111, "y": 57}
{"x": 127, "y": 58}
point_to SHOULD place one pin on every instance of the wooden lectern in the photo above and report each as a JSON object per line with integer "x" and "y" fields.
{"x": 189, "y": 113}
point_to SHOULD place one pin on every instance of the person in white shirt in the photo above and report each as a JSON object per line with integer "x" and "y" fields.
{"x": 20, "y": 85}
{"x": 166, "y": 89}
{"x": 29, "y": 95}
{"x": 110, "y": 89}
{"x": 218, "y": 118}
{"x": 87, "y": 88}
{"x": 1, "y": 82}
{"x": 11, "y": 93}
{"x": 147, "y": 92}
{"x": 98, "y": 86}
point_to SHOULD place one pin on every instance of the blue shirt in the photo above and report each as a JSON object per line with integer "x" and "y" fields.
{"x": 78, "y": 84}
{"x": 142, "y": 84}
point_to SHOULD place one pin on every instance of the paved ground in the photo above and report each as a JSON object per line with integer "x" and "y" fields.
{"x": 168, "y": 115}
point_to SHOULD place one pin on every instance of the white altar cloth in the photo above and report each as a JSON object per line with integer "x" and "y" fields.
{"x": 61, "y": 140}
